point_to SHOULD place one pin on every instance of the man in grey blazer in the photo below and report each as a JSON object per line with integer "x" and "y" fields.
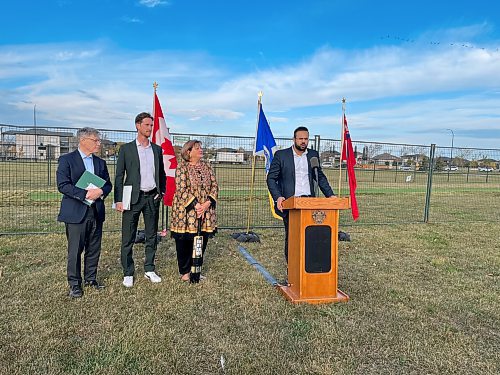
{"x": 140, "y": 165}
{"x": 291, "y": 174}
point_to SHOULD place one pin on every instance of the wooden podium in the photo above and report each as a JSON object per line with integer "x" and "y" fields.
{"x": 313, "y": 250}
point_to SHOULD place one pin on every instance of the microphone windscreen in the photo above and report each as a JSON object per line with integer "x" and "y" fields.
{"x": 314, "y": 162}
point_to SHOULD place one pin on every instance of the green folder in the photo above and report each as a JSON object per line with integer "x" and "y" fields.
{"x": 88, "y": 179}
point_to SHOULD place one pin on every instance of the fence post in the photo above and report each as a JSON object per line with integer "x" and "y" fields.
{"x": 429, "y": 183}
{"x": 317, "y": 141}
{"x": 49, "y": 166}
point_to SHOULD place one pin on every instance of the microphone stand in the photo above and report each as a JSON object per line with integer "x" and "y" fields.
{"x": 316, "y": 184}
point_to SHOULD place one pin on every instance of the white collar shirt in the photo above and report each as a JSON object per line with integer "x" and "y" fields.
{"x": 147, "y": 166}
{"x": 88, "y": 161}
{"x": 302, "y": 186}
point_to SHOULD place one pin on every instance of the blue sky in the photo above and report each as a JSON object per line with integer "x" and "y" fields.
{"x": 409, "y": 70}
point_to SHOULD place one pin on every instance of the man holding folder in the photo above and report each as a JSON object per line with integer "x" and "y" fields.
{"x": 83, "y": 179}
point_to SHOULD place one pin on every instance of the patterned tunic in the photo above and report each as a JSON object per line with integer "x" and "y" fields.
{"x": 193, "y": 183}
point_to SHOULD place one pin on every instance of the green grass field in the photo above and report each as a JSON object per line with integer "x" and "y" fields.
{"x": 424, "y": 300}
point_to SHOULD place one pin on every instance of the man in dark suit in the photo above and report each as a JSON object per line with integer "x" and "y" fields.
{"x": 83, "y": 222}
{"x": 291, "y": 174}
{"x": 140, "y": 165}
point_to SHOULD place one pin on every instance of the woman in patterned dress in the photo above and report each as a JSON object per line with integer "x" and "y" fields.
{"x": 195, "y": 197}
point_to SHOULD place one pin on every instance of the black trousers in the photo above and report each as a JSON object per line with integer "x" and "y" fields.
{"x": 84, "y": 237}
{"x": 285, "y": 223}
{"x": 184, "y": 249}
{"x": 149, "y": 207}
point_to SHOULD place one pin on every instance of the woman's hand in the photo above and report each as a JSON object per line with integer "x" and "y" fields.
{"x": 201, "y": 208}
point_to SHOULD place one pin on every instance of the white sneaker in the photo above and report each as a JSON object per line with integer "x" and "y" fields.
{"x": 153, "y": 277}
{"x": 128, "y": 281}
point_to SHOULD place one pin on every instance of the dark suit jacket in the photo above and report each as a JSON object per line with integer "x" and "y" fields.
{"x": 69, "y": 171}
{"x": 281, "y": 175}
{"x": 128, "y": 171}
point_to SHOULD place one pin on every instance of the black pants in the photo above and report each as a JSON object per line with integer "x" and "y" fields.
{"x": 85, "y": 236}
{"x": 149, "y": 207}
{"x": 184, "y": 249}
{"x": 285, "y": 223}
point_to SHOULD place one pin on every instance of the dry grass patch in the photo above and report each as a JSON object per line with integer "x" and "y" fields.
{"x": 424, "y": 299}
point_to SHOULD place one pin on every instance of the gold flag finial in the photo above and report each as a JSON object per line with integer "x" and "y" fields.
{"x": 155, "y": 85}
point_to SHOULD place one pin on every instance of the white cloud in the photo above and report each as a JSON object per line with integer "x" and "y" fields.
{"x": 131, "y": 20}
{"x": 153, "y": 3}
{"x": 406, "y": 93}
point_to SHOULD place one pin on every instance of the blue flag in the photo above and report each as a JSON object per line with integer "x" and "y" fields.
{"x": 265, "y": 145}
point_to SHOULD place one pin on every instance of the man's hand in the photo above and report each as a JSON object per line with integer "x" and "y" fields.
{"x": 93, "y": 194}
{"x": 279, "y": 203}
{"x": 119, "y": 206}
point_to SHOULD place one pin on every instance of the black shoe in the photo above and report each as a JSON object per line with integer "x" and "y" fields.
{"x": 283, "y": 283}
{"x": 75, "y": 291}
{"x": 94, "y": 284}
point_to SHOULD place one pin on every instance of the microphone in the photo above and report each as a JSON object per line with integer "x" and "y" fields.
{"x": 315, "y": 166}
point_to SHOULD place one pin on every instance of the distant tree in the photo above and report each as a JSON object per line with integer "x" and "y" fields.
{"x": 365, "y": 153}
{"x": 373, "y": 150}
{"x": 440, "y": 164}
{"x": 424, "y": 164}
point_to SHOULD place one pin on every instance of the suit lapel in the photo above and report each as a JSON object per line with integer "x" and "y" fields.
{"x": 309, "y": 172}
{"x": 291, "y": 162}
{"x": 79, "y": 162}
{"x": 157, "y": 165}
{"x": 97, "y": 165}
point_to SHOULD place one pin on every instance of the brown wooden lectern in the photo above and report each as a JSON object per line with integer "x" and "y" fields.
{"x": 313, "y": 250}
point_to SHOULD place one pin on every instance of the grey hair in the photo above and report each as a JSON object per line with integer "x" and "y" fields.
{"x": 86, "y": 132}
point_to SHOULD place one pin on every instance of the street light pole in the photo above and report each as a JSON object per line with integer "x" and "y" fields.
{"x": 451, "y": 153}
{"x": 34, "y": 123}
{"x": 452, "y": 139}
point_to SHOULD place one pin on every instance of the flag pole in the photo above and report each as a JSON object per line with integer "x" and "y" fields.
{"x": 342, "y": 145}
{"x": 259, "y": 103}
{"x": 164, "y": 223}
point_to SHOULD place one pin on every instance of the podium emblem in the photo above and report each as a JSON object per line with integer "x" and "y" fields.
{"x": 319, "y": 216}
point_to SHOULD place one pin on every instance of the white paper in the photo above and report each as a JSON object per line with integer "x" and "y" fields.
{"x": 90, "y": 186}
{"x": 127, "y": 196}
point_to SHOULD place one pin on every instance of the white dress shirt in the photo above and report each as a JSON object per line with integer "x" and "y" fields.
{"x": 302, "y": 186}
{"x": 147, "y": 166}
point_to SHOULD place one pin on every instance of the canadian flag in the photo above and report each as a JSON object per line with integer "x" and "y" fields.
{"x": 162, "y": 138}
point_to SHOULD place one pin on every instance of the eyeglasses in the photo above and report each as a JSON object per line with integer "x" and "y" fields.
{"x": 95, "y": 140}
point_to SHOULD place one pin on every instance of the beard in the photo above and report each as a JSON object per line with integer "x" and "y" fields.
{"x": 301, "y": 146}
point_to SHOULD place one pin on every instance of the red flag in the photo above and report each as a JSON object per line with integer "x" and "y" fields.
{"x": 348, "y": 155}
{"x": 162, "y": 138}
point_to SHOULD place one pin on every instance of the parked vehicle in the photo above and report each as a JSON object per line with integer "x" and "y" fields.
{"x": 405, "y": 168}
{"x": 327, "y": 164}
{"x": 451, "y": 168}
{"x": 485, "y": 169}
{"x": 229, "y": 157}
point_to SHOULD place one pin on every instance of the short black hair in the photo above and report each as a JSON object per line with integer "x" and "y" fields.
{"x": 300, "y": 129}
{"x": 141, "y": 116}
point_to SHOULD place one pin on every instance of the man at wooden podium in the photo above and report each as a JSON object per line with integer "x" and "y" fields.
{"x": 295, "y": 171}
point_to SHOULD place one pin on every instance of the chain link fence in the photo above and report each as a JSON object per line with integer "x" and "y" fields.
{"x": 397, "y": 183}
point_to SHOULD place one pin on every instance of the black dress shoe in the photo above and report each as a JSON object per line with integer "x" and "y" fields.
{"x": 283, "y": 282}
{"x": 94, "y": 284}
{"x": 75, "y": 291}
